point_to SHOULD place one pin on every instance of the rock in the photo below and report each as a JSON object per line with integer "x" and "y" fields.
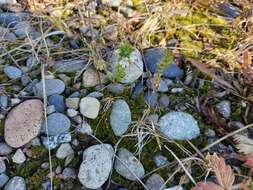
{"x": 29, "y": 88}
{"x": 16, "y": 183}
{"x": 153, "y": 56}
{"x": 53, "y": 141}
{"x": 19, "y": 157}
{"x": 95, "y": 94}
{"x": 25, "y": 80}
{"x": 96, "y": 166}
{"x": 160, "y": 160}
{"x": 163, "y": 87}
{"x": 177, "y": 90}
{"x": 224, "y": 108}
{"x": 69, "y": 66}
{"x": 64, "y": 150}
{"x": 235, "y": 125}
{"x": 229, "y": 10}
{"x": 178, "y": 187}
{"x": 132, "y": 65}
{"x": 138, "y": 89}
{"x": 31, "y": 61}
{"x": 2, "y": 166}
{"x": 116, "y": 88}
{"x": 3, "y": 101}
{"x": 11, "y": 19}
{"x": 57, "y": 124}
{"x": 58, "y": 102}
{"x": 3, "y": 180}
{"x": 128, "y": 166}
{"x": 84, "y": 128}
{"x": 36, "y": 142}
{"x": 209, "y": 133}
{"x": 72, "y": 103}
{"x": 153, "y": 118}
{"x": 50, "y": 109}
{"x": 5, "y": 149}
{"x": 89, "y": 107}
{"x": 12, "y": 72}
{"x": 164, "y": 101}
{"x": 23, "y": 123}
{"x": 155, "y": 182}
{"x": 23, "y": 29}
{"x": 53, "y": 86}
{"x": 179, "y": 126}
{"x": 72, "y": 112}
{"x": 8, "y": 2}
{"x": 69, "y": 173}
{"x": 92, "y": 77}
{"x": 112, "y": 3}
{"x": 151, "y": 98}
{"x": 120, "y": 117}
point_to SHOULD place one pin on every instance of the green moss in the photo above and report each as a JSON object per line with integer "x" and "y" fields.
{"x": 125, "y": 49}
{"x": 117, "y": 75}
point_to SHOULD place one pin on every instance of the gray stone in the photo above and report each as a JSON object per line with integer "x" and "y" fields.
{"x": 50, "y": 109}
{"x": 69, "y": 173}
{"x": 72, "y": 112}
{"x": 3, "y": 180}
{"x": 89, "y": 107}
{"x": 112, "y": 3}
{"x": 179, "y": 126}
{"x": 153, "y": 118}
{"x": 151, "y": 98}
{"x": 5, "y": 149}
{"x": 95, "y": 94}
{"x": 224, "y": 108}
{"x": 92, "y": 77}
{"x": 53, "y": 86}
{"x": 84, "y": 128}
{"x": 120, "y": 117}
{"x": 12, "y": 72}
{"x": 2, "y": 166}
{"x": 137, "y": 90}
{"x": 128, "y": 166}
{"x": 10, "y": 2}
{"x": 96, "y": 166}
{"x": 19, "y": 157}
{"x": 210, "y": 133}
{"x": 36, "y": 142}
{"x": 53, "y": 141}
{"x": 23, "y": 29}
{"x": 57, "y": 123}
{"x": 16, "y": 183}
{"x": 116, "y": 88}
{"x": 10, "y": 36}
{"x": 72, "y": 103}
{"x": 11, "y": 19}
{"x": 164, "y": 101}
{"x": 132, "y": 65}
{"x": 58, "y": 102}
{"x": 155, "y": 182}
{"x": 69, "y": 66}
{"x": 160, "y": 160}
{"x": 177, "y": 90}
{"x": 64, "y": 150}
{"x": 25, "y": 80}
{"x": 3, "y": 101}
{"x": 31, "y": 61}
{"x": 163, "y": 87}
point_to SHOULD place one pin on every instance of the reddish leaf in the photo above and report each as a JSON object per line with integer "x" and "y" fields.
{"x": 249, "y": 161}
{"x": 207, "y": 186}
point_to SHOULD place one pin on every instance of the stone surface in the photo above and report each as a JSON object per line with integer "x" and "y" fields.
{"x": 151, "y": 98}
{"x": 16, "y": 183}
{"x": 132, "y": 65}
{"x": 19, "y": 157}
{"x": 112, "y": 3}
{"x": 53, "y": 141}
{"x": 64, "y": 150}
{"x": 11, "y": 19}
{"x": 69, "y": 173}
{"x": 12, "y": 72}
{"x": 120, "y": 117}
{"x": 23, "y": 123}
{"x": 163, "y": 87}
{"x": 57, "y": 124}
{"x": 116, "y": 88}
{"x": 155, "y": 182}
{"x": 137, "y": 90}
{"x": 72, "y": 103}
{"x": 178, "y": 187}
{"x": 2, "y": 166}
{"x": 72, "y": 112}
{"x": 3, "y": 180}
{"x": 224, "y": 108}
{"x": 160, "y": 160}
{"x": 89, "y": 107}
{"x": 52, "y": 86}
{"x": 128, "y": 166}
{"x": 179, "y": 126}
{"x": 3, "y": 101}
{"x": 96, "y": 166}
{"x": 92, "y": 77}
{"x": 69, "y": 66}
{"x": 23, "y": 29}
{"x": 5, "y": 149}
{"x": 8, "y": 1}
{"x": 58, "y": 102}
{"x": 84, "y": 128}
{"x": 164, "y": 101}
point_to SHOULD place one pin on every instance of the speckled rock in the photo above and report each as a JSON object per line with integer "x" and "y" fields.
{"x": 23, "y": 123}
{"x": 179, "y": 126}
{"x": 72, "y": 103}
{"x": 52, "y": 86}
{"x": 120, "y": 117}
{"x": 89, "y": 107}
{"x": 155, "y": 182}
{"x": 92, "y": 77}
{"x": 128, "y": 165}
{"x": 64, "y": 150}
{"x": 16, "y": 183}
{"x": 96, "y": 166}
{"x": 224, "y": 108}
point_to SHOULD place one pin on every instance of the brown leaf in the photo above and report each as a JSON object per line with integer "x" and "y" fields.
{"x": 247, "y": 70}
{"x": 223, "y": 172}
{"x": 207, "y": 186}
{"x": 249, "y": 161}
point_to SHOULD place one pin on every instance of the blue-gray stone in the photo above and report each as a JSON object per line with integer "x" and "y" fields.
{"x": 58, "y": 102}
{"x": 229, "y": 10}
{"x": 22, "y": 29}
{"x": 5, "y": 149}
{"x": 3, "y": 180}
{"x": 116, "y": 88}
{"x": 164, "y": 101}
{"x": 155, "y": 182}
{"x": 3, "y": 101}
{"x": 2, "y": 166}
{"x": 163, "y": 87}
{"x": 69, "y": 173}
{"x": 151, "y": 98}
{"x": 69, "y": 66}
{"x": 53, "y": 141}
{"x": 31, "y": 85}
{"x": 96, "y": 94}
{"x": 25, "y": 80}
{"x": 172, "y": 42}
{"x": 31, "y": 61}
{"x": 75, "y": 95}
{"x": 224, "y": 108}
{"x": 160, "y": 160}
{"x": 179, "y": 126}
{"x": 57, "y": 124}
{"x": 11, "y": 19}
{"x": 138, "y": 89}
{"x": 16, "y": 183}
{"x": 12, "y": 72}
{"x": 53, "y": 86}
{"x": 153, "y": 57}
{"x": 10, "y": 36}
{"x": 120, "y": 117}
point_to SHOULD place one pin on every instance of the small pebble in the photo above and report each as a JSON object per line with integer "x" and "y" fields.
{"x": 16, "y": 183}
{"x": 64, "y": 150}
{"x": 5, "y": 149}
{"x": 19, "y": 157}
{"x": 89, "y": 107}
{"x": 72, "y": 112}
{"x": 224, "y": 108}
{"x": 69, "y": 173}
{"x": 72, "y": 103}
{"x": 3, "y": 180}
{"x": 12, "y": 72}
{"x": 58, "y": 102}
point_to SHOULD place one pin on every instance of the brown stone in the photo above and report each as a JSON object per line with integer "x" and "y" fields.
{"x": 23, "y": 123}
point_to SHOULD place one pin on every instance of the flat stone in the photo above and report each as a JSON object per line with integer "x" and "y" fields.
{"x": 2, "y": 166}
{"x": 96, "y": 166}
{"x": 3, "y": 101}
{"x": 160, "y": 160}
{"x": 120, "y": 117}
{"x": 19, "y": 157}
{"x": 58, "y": 102}
{"x": 72, "y": 103}
{"x": 89, "y": 107}
{"x": 69, "y": 173}
{"x": 16, "y": 183}
{"x": 137, "y": 90}
{"x": 11, "y": 19}
{"x": 116, "y": 88}
{"x": 5, "y": 149}
{"x": 69, "y": 66}
{"x": 151, "y": 98}
{"x": 53, "y": 141}
{"x": 128, "y": 165}
{"x": 22, "y": 29}
{"x": 3, "y": 180}
{"x": 155, "y": 182}
{"x": 57, "y": 124}
{"x": 72, "y": 112}
{"x": 92, "y": 77}
{"x": 84, "y": 128}
{"x": 64, "y": 150}
{"x": 52, "y": 86}
{"x": 12, "y": 72}
{"x": 23, "y": 123}
{"x": 95, "y": 94}
{"x": 179, "y": 126}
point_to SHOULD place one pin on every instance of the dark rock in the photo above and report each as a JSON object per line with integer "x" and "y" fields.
{"x": 137, "y": 90}
{"x": 9, "y": 19}
{"x": 151, "y": 98}
{"x": 58, "y": 102}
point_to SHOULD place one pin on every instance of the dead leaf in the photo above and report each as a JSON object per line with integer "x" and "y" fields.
{"x": 247, "y": 70}
{"x": 249, "y": 161}
{"x": 223, "y": 172}
{"x": 207, "y": 186}
{"x": 244, "y": 144}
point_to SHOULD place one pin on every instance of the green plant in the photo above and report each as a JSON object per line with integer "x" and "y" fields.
{"x": 117, "y": 75}
{"x": 125, "y": 49}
